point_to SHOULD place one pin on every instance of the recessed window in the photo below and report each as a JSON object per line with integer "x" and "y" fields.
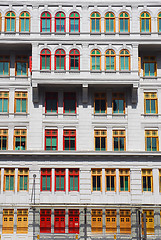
{"x": 147, "y": 180}
{"x": 45, "y": 60}
{"x": 149, "y": 66}
{"x": 21, "y": 102}
{"x": 74, "y": 60}
{"x": 119, "y": 140}
{"x": 10, "y": 22}
{"x": 45, "y": 179}
{"x": 51, "y": 102}
{"x": 95, "y": 22}
{"x": 124, "y": 22}
{"x": 23, "y": 179}
{"x": 9, "y": 179}
{"x": 151, "y": 140}
{"x": 51, "y": 139}
{"x": 100, "y": 103}
{"x": 24, "y": 22}
{"x": 4, "y": 65}
{"x": 150, "y": 103}
{"x": 60, "y": 179}
{"x": 145, "y": 22}
{"x": 69, "y": 138}
{"x": 20, "y": 137}
{"x": 110, "y": 60}
{"x": 95, "y": 59}
{"x": 124, "y": 178}
{"x": 74, "y": 22}
{"x": 100, "y": 140}
{"x": 60, "y": 22}
{"x": 21, "y": 66}
{"x": 70, "y": 102}
{"x": 118, "y": 103}
{"x": 60, "y": 60}
{"x": 96, "y": 179}
{"x": 73, "y": 179}
{"x": 109, "y": 22}
{"x": 45, "y": 22}
{"x": 124, "y": 60}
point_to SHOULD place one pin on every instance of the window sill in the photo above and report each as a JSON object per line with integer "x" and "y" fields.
{"x": 149, "y": 77}
{"x": 150, "y": 114}
{"x": 21, "y": 76}
{"x": 100, "y": 114}
{"x": 119, "y": 114}
{"x": 10, "y": 33}
{"x": 60, "y": 33}
{"x": 109, "y": 33}
{"x": 145, "y": 33}
{"x": 124, "y": 33}
{"x": 110, "y": 71}
{"x": 59, "y": 71}
{"x": 45, "y": 71}
{"x": 45, "y": 33}
{"x": 95, "y": 33}
{"x": 74, "y": 71}
{"x": 124, "y": 71}
{"x": 74, "y": 33}
{"x": 69, "y": 114}
{"x": 50, "y": 114}
{"x": 4, "y": 113}
{"x": 21, "y": 113}
{"x": 95, "y": 71}
{"x": 24, "y": 33}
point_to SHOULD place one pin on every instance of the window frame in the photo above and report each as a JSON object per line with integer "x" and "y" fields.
{"x": 46, "y": 18}
{"x": 99, "y": 97}
{"x": 119, "y": 134}
{"x": 100, "y": 133}
{"x": 151, "y": 135}
{"x": 110, "y": 55}
{"x": 110, "y": 18}
{"x": 60, "y": 172}
{"x": 145, "y": 18}
{"x": 111, "y": 223}
{"x": 74, "y": 21}
{"x": 23, "y": 215}
{"x": 73, "y": 172}
{"x": 124, "y": 17}
{"x": 11, "y": 172}
{"x": 21, "y": 96}
{"x": 69, "y": 134}
{"x": 24, "y": 17}
{"x": 147, "y": 173}
{"x": 60, "y": 19}
{"x": 46, "y": 172}
{"x": 124, "y": 55}
{"x": 10, "y": 17}
{"x": 95, "y": 55}
{"x": 124, "y": 174}
{"x": 96, "y": 174}
{"x": 95, "y": 19}
{"x": 110, "y": 172}
{"x": 97, "y": 215}
{"x": 118, "y": 96}
{"x": 22, "y": 133}
{"x": 53, "y": 133}
{"x": 74, "y": 55}
{"x": 46, "y": 214}
{"x": 150, "y": 96}
{"x": 25, "y": 172}
{"x": 60, "y": 59}
{"x": 4, "y": 59}
{"x": 149, "y": 60}
{"x": 124, "y": 214}
{"x": 45, "y": 55}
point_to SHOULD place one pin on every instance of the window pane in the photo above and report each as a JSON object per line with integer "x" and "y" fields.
{"x": 21, "y": 183}
{"x": 23, "y": 143}
{"x": 111, "y": 25}
{"x": 103, "y": 143}
{"x": 5, "y": 105}
{"x": 57, "y": 183}
{"x": 76, "y": 62}
{"x": 23, "y": 105}
{"x": 122, "y": 144}
{"x": 97, "y": 106}
{"x": 43, "y": 183}
{"x": 108, "y": 63}
{"x": 8, "y": 25}
{"x": 43, "y": 62}
{"x": 66, "y": 143}
{"x": 93, "y": 25}
{"x": 25, "y": 182}
{"x": 72, "y": 143}
{"x": 108, "y": 183}
{"x": 147, "y": 26}
{"x": 6, "y": 68}
{"x": 48, "y": 25}
{"x": 103, "y": 106}
{"x": 115, "y": 106}
{"x": 146, "y": 66}
{"x": 1, "y": 110}
{"x": 19, "y": 68}
{"x": 93, "y": 63}
{"x": 94, "y": 183}
{"x": 22, "y": 25}
{"x": 154, "y": 144}
{"x": 142, "y": 25}
{"x": 148, "y": 144}
{"x": 121, "y": 183}
{"x": 62, "y": 183}
{"x": 112, "y": 183}
{"x": 27, "y": 25}
{"x": 7, "y": 183}
{"x": 144, "y": 183}
{"x": 98, "y": 63}
{"x": 149, "y": 184}
{"x": 121, "y": 25}
{"x": 57, "y": 25}
{"x": 48, "y": 183}
{"x": 43, "y": 25}
{"x": 159, "y": 25}
{"x": 76, "y": 183}
{"x": 122, "y": 63}
{"x": 116, "y": 145}
{"x": 48, "y": 143}
{"x": 62, "y": 25}
{"x": 126, "y": 183}
{"x": 1, "y": 68}
{"x": 18, "y": 105}
{"x": 97, "y": 25}
{"x": 97, "y": 143}
{"x": 13, "y": 24}
{"x": 148, "y": 106}
{"x": 62, "y": 62}
{"x": 72, "y": 25}
{"x": 71, "y": 183}
{"x": 54, "y": 143}
{"x": 11, "y": 182}
{"x": 24, "y": 68}
{"x": 153, "y": 108}
{"x": 72, "y": 62}
{"x": 126, "y": 25}
{"x": 98, "y": 183}
{"x": 17, "y": 143}
{"x": 47, "y": 62}
{"x": 121, "y": 106}
{"x": 152, "y": 69}
{"x": 126, "y": 63}
{"x": 76, "y": 25}
{"x": 4, "y": 143}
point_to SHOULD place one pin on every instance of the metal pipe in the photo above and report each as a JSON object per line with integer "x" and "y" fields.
{"x": 34, "y": 209}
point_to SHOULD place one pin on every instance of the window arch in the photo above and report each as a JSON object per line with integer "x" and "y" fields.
{"x": 60, "y": 22}
{"x": 145, "y": 22}
{"x": 110, "y": 60}
{"x": 159, "y": 22}
{"x": 45, "y": 25}
{"x": 124, "y": 60}
{"x": 109, "y": 22}
{"x": 74, "y": 60}
{"x": 10, "y": 22}
{"x": 45, "y": 59}
{"x": 60, "y": 59}
{"x": 95, "y": 22}
{"x": 95, "y": 59}
{"x": 124, "y": 22}
{"x": 74, "y": 22}
{"x": 24, "y": 22}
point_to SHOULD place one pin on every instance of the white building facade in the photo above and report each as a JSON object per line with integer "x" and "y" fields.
{"x": 80, "y": 119}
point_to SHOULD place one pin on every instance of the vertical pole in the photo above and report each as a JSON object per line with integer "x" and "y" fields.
{"x": 85, "y": 223}
{"x": 34, "y": 176}
{"x": 139, "y": 225}
{"x": 144, "y": 217}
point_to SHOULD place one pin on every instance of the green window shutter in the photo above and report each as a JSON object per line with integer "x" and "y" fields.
{"x": 76, "y": 183}
{"x": 23, "y": 105}
{"x": 122, "y": 147}
{"x": 149, "y": 184}
{"x": 11, "y": 182}
{"x": 71, "y": 183}
{"x": 62, "y": 59}
{"x": 154, "y": 144}
{"x": 62, "y": 183}
{"x": 24, "y": 68}
{"x": 7, "y": 183}
{"x": 93, "y": 25}
{"x": 43, "y": 62}
{"x": 54, "y": 143}
{"x": 25, "y": 182}
{"x": 48, "y": 183}
{"x": 21, "y": 183}
{"x": 107, "y": 63}
{"x": 48, "y": 25}
{"x": 122, "y": 63}
{"x": 6, "y": 68}
{"x": 93, "y": 63}
{"x": 27, "y": 25}
{"x": 126, "y": 63}
{"x": 153, "y": 108}
{"x": 43, "y": 183}
{"x": 1, "y": 68}
{"x": 19, "y": 68}
{"x": 146, "y": 69}
{"x": 121, "y": 183}
{"x": 4, "y": 143}
{"x": 148, "y": 144}
{"x": 126, "y": 183}
{"x": 98, "y": 63}
{"x": 48, "y": 143}
{"x": 147, "y": 105}
{"x": 22, "y": 25}
{"x": 48, "y": 62}
{"x": 13, "y": 25}
{"x": 152, "y": 69}
{"x": 1, "y": 105}
{"x": 8, "y": 25}
{"x": 57, "y": 183}
{"x": 23, "y": 143}
{"x": 116, "y": 145}
{"x": 5, "y": 105}
{"x": 18, "y": 105}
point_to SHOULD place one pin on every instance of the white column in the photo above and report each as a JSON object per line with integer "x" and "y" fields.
{"x": 2, "y": 178}
{"x": 16, "y": 179}
{"x": 53, "y": 180}
{"x": 103, "y": 181}
{"x": 67, "y": 184}
{"x": 117, "y": 181}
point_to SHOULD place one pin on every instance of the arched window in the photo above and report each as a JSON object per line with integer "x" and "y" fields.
{"x": 145, "y": 22}
{"x": 45, "y": 22}
{"x": 10, "y": 22}
{"x": 74, "y": 22}
{"x": 74, "y": 60}
{"x": 60, "y": 22}
{"x": 95, "y": 22}
{"x": 45, "y": 59}
{"x": 124, "y": 60}
{"x": 110, "y": 60}
{"x": 60, "y": 59}
{"x": 124, "y": 22}
{"x": 95, "y": 59}
{"x": 24, "y": 22}
{"x": 159, "y": 22}
{"x": 109, "y": 22}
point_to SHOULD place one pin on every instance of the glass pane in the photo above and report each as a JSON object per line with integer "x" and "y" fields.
{"x": 98, "y": 183}
{"x": 57, "y": 25}
{"x": 112, "y": 183}
{"x": 108, "y": 63}
{"x": 43, "y": 183}
{"x": 12, "y": 24}
{"x": 72, "y": 143}
{"x": 76, "y": 183}
{"x": 93, "y": 25}
{"x": 115, "y": 106}
{"x": 122, "y": 63}
{"x": 6, "y": 68}
{"x": 159, "y": 25}
{"x": 148, "y": 105}
{"x": 72, "y": 62}
{"x": 148, "y": 144}
{"x": 57, "y": 183}
{"x": 62, "y": 183}
{"x": 1, "y": 110}
{"x": 121, "y": 25}
{"x": 71, "y": 183}
{"x": 76, "y": 62}
{"x": 126, "y": 25}
{"x": 27, "y": 25}
{"x": 8, "y": 25}
{"x": 147, "y": 25}
{"x": 63, "y": 62}
{"x": 48, "y": 25}
{"x": 48, "y": 143}
{"x": 103, "y": 106}
{"x": 1, "y": 68}
{"x": 94, "y": 183}
{"x": 5, "y": 105}
{"x": 7, "y": 183}
{"x": 62, "y": 25}
{"x": 18, "y": 105}
{"x": 23, "y": 105}
{"x": 146, "y": 69}
{"x": 97, "y": 106}
{"x": 25, "y": 182}
{"x": 144, "y": 183}
{"x": 103, "y": 144}
{"x": 121, "y": 183}
{"x": 48, "y": 183}
{"x": 153, "y": 108}
{"x": 23, "y": 143}
{"x": 126, "y": 63}
{"x": 43, "y": 25}
{"x": 4, "y": 143}
{"x": 98, "y": 63}
{"x": 152, "y": 69}
{"x": 126, "y": 183}
{"x": 47, "y": 62}
{"x": 11, "y": 182}
{"x": 21, "y": 183}
{"x": 54, "y": 143}
{"x": 149, "y": 184}
{"x": 97, "y": 25}
{"x": 24, "y": 69}
{"x": 116, "y": 144}
{"x": 97, "y": 144}
{"x": 108, "y": 183}
{"x": 93, "y": 63}
{"x": 22, "y": 25}
{"x": 43, "y": 62}
{"x": 122, "y": 144}
{"x": 107, "y": 25}
{"x": 72, "y": 25}
{"x": 66, "y": 143}
{"x": 76, "y": 25}
{"x": 121, "y": 106}
{"x": 154, "y": 144}
{"x": 111, "y": 25}
{"x": 19, "y": 66}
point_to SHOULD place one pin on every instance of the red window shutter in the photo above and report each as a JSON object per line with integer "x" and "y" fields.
{"x": 30, "y": 63}
{"x": 45, "y": 221}
{"x": 59, "y": 221}
{"x": 73, "y": 221}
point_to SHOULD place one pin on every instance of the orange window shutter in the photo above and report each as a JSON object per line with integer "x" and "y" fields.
{"x": 139, "y": 64}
